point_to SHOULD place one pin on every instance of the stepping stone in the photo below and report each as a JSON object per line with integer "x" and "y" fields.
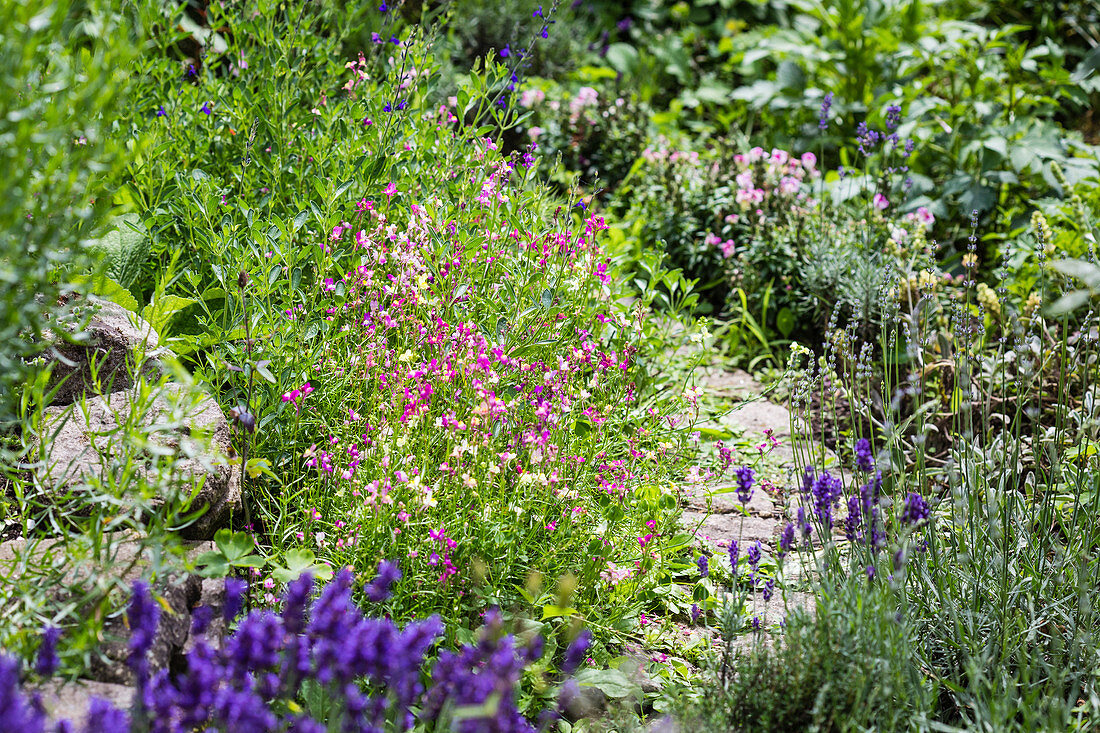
{"x": 723, "y": 500}
{"x": 719, "y": 529}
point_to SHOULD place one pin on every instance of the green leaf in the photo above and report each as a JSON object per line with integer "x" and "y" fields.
{"x": 1068, "y": 303}
{"x": 160, "y": 312}
{"x": 552, "y": 611}
{"x": 785, "y": 321}
{"x": 298, "y": 561}
{"x": 108, "y": 289}
{"x": 1086, "y": 272}
{"x": 611, "y": 682}
{"x": 300, "y": 220}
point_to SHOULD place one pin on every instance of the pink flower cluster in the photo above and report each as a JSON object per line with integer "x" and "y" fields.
{"x": 296, "y": 396}
{"x": 772, "y": 178}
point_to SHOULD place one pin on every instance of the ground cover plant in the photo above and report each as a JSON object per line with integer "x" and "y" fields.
{"x": 439, "y": 266}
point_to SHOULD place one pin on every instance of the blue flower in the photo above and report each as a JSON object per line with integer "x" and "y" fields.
{"x": 823, "y": 115}
{"x": 786, "y": 540}
{"x": 161, "y": 112}
{"x": 205, "y": 109}
{"x": 704, "y": 565}
{"x": 576, "y": 651}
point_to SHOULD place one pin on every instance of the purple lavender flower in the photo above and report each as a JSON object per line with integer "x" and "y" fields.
{"x": 865, "y": 461}
{"x": 704, "y": 565}
{"x": 826, "y": 493}
{"x": 804, "y": 525}
{"x": 745, "y": 476}
{"x": 235, "y": 590}
{"x": 47, "y": 662}
{"x": 200, "y": 620}
{"x": 103, "y": 717}
{"x": 574, "y": 653}
{"x": 754, "y": 556}
{"x": 297, "y": 596}
{"x": 916, "y": 509}
{"x": 769, "y": 590}
{"x": 734, "y": 552}
{"x": 17, "y": 714}
{"x": 378, "y": 589}
{"x": 893, "y": 116}
{"x": 808, "y": 477}
{"x": 852, "y": 522}
{"x": 142, "y": 616}
{"x": 786, "y": 540}
{"x": 823, "y": 116}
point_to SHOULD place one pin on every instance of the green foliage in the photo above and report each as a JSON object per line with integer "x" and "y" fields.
{"x": 61, "y": 71}
{"x": 843, "y": 667}
{"x": 123, "y": 249}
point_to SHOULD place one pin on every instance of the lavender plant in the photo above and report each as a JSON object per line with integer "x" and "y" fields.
{"x": 312, "y": 667}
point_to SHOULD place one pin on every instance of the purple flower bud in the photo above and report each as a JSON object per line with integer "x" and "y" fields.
{"x": 235, "y": 590}
{"x": 916, "y": 509}
{"x": 143, "y": 616}
{"x": 745, "y": 476}
{"x": 297, "y": 596}
{"x": 47, "y": 662}
{"x": 754, "y": 555}
{"x": 786, "y": 540}
{"x": 574, "y": 653}
{"x": 704, "y": 565}
{"x": 823, "y": 116}
{"x": 734, "y": 553}
{"x": 378, "y": 589}
{"x": 864, "y": 460}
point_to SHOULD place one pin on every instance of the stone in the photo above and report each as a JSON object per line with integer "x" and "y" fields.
{"x": 719, "y": 529}
{"x": 723, "y": 500}
{"x": 579, "y": 702}
{"x": 83, "y": 444}
{"x": 68, "y": 700}
{"x": 665, "y": 724}
{"x": 114, "y": 338}
{"x": 759, "y": 415}
{"x": 737, "y": 384}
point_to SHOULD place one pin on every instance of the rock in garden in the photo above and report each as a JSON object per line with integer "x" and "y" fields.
{"x": 114, "y": 338}
{"x": 68, "y": 700}
{"x": 98, "y": 438}
{"x": 579, "y": 702}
